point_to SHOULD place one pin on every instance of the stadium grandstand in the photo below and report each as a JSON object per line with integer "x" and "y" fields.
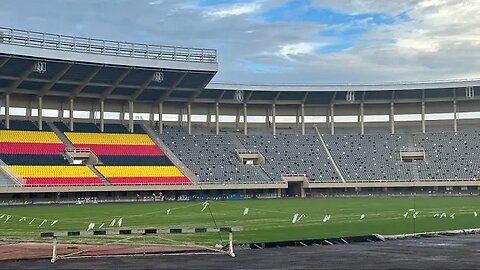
{"x": 83, "y": 117}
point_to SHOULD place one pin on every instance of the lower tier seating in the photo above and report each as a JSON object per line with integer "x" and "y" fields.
{"x": 143, "y": 175}
{"x": 56, "y": 175}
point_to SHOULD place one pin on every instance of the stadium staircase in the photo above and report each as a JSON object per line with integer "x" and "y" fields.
{"x": 99, "y": 175}
{"x": 329, "y": 155}
{"x": 61, "y": 135}
{"x": 5, "y": 178}
{"x": 168, "y": 153}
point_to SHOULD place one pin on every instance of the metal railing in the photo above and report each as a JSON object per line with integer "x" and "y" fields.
{"x": 105, "y": 47}
{"x": 19, "y": 181}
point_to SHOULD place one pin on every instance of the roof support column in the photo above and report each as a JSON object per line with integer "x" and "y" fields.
{"x": 361, "y": 118}
{"x": 60, "y": 113}
{"x": 245, "y": 122}
{"x": 302, "y": 113}
{"x": 102, "y": 115}
{"x": 40, "y": 113}
{"x": 189, "y": 118}
{"x": 297, "y": 119}
{"x": 71, "y": 114}
{"x": 152, "y": 116}
{"x": 130, "y": 116}
{"x": 217, "y": 118}
{"x": 209, "y": 116}
{"x": 180, "y": 117}
{"x": 332, "y": 121}
{"x": 237, "y": 118}
{"x": 274, "y": 120}
{"x": 7, "y": 111}
{"x": 92, "y": 114}
{"x": 122, "y": 114}
{"x": 455, "y": 116}
{"x": 29, "y": 110}
{"x": 424, "y": 128}
{"x": 392, "y": 118}
{"x": 160, "y": 117}
{"x": 267, "y": 118}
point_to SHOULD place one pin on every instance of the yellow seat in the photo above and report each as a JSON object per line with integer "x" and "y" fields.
{"x": 109, "y": 138}
{"x": 52, "y": 171}
{"x": 139, "y": 171}
{"x": 28, "y": 136}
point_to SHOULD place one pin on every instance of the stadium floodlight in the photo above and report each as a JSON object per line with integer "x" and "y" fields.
{"x": 350, "y": 96}
{"x": 158, "y": 77}
{"x": 470, "y": 91}
{"x": 239, "y": 96}
{"x": 40, "y": 67}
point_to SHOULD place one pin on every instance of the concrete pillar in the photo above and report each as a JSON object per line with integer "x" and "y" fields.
{"x": 274, "y": 119}
{"x": 302, "y": 113}
{"x": 152, "y": 116}
{"x": 60, "y": 113}
{"x": 237, "y": 118}
{"x": 92, "y": 114}
{"x": 130, "y": 116}
{"x": 455, "y": 116}
{"x": 217, "y": 118}
{"x": 180, "y": 117}
{"x": 424, "y": 127}
{"x": 122, "y": 114}
{"x": 189, "y": 118}
{"x": 245, "y": 122}
{"x": 392, "y": 118}
{"x": 267, "y": 118}
{"x": 7, "y": 111}
{"x": 102, "y": 115}
{"x": 209, "y": 116}
{"x": 71, "y": 114}
{"x": 160, "y": 118}
{"x": 297, "y": 119}
{"x": 29, "y": 110}
{"x": 332, "y": 120}
{"x": 40, "y": 113}
{"x": 361, "y": 119}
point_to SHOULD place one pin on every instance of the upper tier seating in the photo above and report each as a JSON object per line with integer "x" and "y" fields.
{"x": 61, "y": 126}
{"x": 31, "y": 147}
{"x": 20, "y": 125}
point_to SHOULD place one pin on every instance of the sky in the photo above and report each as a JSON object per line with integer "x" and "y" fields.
{"x": 281, "y": 41}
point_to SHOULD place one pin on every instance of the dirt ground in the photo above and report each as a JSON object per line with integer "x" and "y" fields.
{"x": 30, "y": 250}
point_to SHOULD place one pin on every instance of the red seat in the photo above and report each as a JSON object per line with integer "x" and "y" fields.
{"x": 124, "y": 150}
{"x": 167, "y": 180}
{"x": 71, "y": 181}
{"x": 31, "y": 148}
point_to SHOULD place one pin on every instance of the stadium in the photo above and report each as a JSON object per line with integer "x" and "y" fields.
{"x": 101, "y": 137}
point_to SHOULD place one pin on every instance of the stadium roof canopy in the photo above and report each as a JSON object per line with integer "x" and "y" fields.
{"x": 57, "y": 65}
{"x": 74, "y": 67}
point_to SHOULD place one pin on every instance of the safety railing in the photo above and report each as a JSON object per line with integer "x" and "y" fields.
{"x": 105, "y": 47}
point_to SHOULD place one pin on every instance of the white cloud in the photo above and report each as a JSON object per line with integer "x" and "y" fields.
{"x": 300, "y": 48}
{"x": 233, "y": 10}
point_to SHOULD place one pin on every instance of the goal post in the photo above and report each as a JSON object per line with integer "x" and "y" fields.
{"x": 55, "y": 235}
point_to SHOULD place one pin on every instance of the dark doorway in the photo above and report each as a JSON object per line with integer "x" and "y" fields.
{"x": 294, "y": 189}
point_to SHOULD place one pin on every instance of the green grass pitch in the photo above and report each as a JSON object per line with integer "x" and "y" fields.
{"x": 267, "y": 220}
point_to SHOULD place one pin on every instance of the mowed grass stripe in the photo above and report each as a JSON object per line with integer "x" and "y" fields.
{"x": 267, "y": 220}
